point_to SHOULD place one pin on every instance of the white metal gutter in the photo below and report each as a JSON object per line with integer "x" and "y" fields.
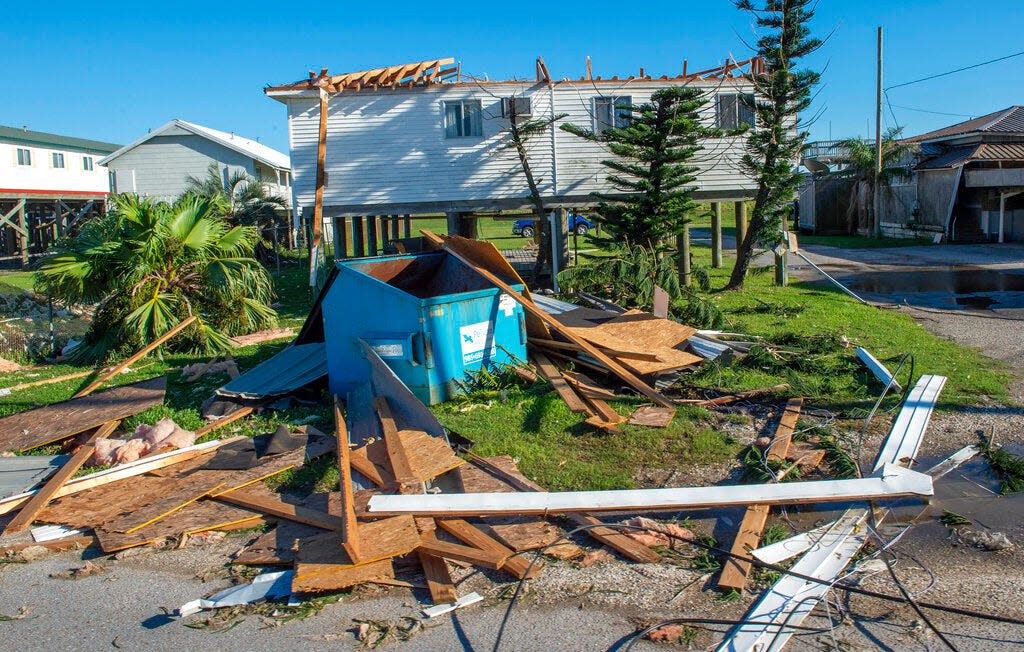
{"x": 878, "y": 369}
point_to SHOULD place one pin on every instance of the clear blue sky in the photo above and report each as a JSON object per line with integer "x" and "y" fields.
{"x": 112, "y": 70}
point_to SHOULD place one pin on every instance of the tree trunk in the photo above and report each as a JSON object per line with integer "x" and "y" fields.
{"x": 543, "y": 254}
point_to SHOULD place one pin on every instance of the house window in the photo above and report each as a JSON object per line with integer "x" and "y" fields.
{"x": 734, "y": 110}
{"x": 87, "y": 163}
{"x": 612, "y": 112}
{"x": 520, "y": 104}
{"x": 58, "y": 160}
{"x": 463, "y": 119}
{"x": 284, "y": 178}
{"x": 24, "y": 156}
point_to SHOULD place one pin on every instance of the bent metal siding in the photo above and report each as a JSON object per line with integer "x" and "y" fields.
{"x": 386, "y": 149}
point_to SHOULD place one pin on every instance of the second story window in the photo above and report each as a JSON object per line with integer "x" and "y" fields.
{"x": 24, "y": 156}
{"x": 58, "y": 160}
{"x": 463, "y": 119}
{"x": 611, "y": 112}
{"x": 734, "y": 110}
{"x": 87, "y": 163}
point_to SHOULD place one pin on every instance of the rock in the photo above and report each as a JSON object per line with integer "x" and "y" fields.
{"x": 993, "y": 541}
{"x": 595, "y": 557}
{"x": 33, "y": 553}
{"x": 667, "y": 634}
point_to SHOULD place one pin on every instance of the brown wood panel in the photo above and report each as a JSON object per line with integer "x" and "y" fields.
{"x": 195, "y": 517}
{"x": 465, "y": 531}
{"x": 348, "y": 528}
{"x": 439, "y": 578}
{"x": 553, "y": 376}
{"x": 51, "y": 423}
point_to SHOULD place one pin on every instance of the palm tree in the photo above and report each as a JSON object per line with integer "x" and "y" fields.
{"x": 149, "y": 265}
{"x": 242, "y": 199}
{"x": 860, "y": 162}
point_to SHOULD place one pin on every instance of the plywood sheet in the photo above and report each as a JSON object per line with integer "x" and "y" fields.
{"x": 318, "y": 578}
{"x": 51, "y": 423}
{"x": 195, "y": 517}
{"x": 428, "y": 457}
{"x": 644, "y": 330}
{"x": 276, "y": 546}
{"x": 654, "y": 416}
{"x": 323, "y": 565}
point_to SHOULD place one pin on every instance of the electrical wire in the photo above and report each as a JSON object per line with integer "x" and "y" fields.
{"x": 951, "y": 72}
{"x": 834, "y": 583}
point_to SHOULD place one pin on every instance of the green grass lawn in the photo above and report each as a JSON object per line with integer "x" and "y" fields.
{"x": 19, "y": 280}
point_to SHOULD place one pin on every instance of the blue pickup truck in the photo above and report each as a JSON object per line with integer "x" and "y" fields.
{"x": 577, "y": 224}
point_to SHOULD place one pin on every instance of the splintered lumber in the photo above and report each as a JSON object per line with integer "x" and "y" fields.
{"x": 466, "y": 532}
{"x": 430, "y": 544}
{"x": 120, "y": 472}
{"x": 550, "y": 321}
{"x": 615, "y": 539}
{"x": 652, "y": 416}
{"x": 893, "y": 481}
{"x": 240, "y": 413}
{"x": 164, "y": 507}
{"x": 778, "y": 451}
{"x": 604, "y": 417}
{"x": 46, "y": 493}
{"x": 553, "y": 376}
{"x": 196, "y": 517}
{"x": 275, "y": 547}
{"x": 397, "y": 455}
{"x": 439, "y": 578}
{"x": 742, "y": 396}
{"x": 586, "y": 386}
{"x": 324, "y": 565}
{"x": 349, "y": 528}
{"x": 526, "y": 373}
{"x": 96, "y": 384}
{"x": 735, "y": 570}
{"x": 378, "y": 475}
{"x": 273, "y": 506}
{"x": 50, "y": 423}
{"x": 427, "y": 457}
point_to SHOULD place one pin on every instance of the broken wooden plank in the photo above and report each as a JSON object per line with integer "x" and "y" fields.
{"x": 240, "y": 413}
{"x": 553, "y": 376}
{"x": 349, "y": 527}
{"x": 551, "y": 322}
{"x": 397, "y": 455}
{"x": 430, "y": 544}
{"x": 615, "y": 353}
{"x": 122, "y": 471}
{"x": 468, "y": 533}
{"x": 439, "y": 578}
{"x": 196, "y": 517}
{"x": 735, "y": 569}
{"x": 878, "y": 369}
{"x": 588, "y": 387}
{"x": 49, "y": 490}
{"x": 318, "y": 578}
{"x": 779, "y": 447}
{"x": 272, "y": 506}
{"x": 893, "y": 481}
{"x": 50, "y": 423}
{"x": 653, "y": 416}
{"x": 118, "y": 368}
{"x": 741, "y": 396}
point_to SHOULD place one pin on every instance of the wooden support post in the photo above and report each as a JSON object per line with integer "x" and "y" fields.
{"x": 395, "y": 228}
{"x": 716, "y": 234}
{"x": 349, "y": 527}
{"x": 48, "y": 491}
{"x": 24, "y": 235}
{"x": 453, "y": 223}
{"x": 683, "y": 257}
{"x": 321, "y": 176}
{"x": 371, "y": 235}
{"x": 406, "y": 227}
{"x": 358, "y": 236}
{"x": 96, "y": 384}
{"x": 741, "y": 222}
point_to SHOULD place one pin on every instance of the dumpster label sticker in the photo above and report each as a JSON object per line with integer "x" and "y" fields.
{"x": 474, "y": 339}
{"x": 506, "y": 304}
{"x": 389, "y": 350}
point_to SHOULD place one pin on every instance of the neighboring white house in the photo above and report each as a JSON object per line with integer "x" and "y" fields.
{"x": 159, "y": 163}
{"x": 420, "y": 138}
{"x": 48, "y": 184}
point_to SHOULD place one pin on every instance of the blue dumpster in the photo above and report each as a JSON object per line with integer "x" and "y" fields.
{"x": 427, "y": 315}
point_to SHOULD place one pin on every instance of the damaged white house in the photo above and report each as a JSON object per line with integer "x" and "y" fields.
{"x": 423, "y": 138}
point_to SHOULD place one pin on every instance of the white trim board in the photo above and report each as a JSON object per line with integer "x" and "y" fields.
{"x": 908, "y": 430}
{"x": 880, "y": 371}
{"x": 892, "y": 481}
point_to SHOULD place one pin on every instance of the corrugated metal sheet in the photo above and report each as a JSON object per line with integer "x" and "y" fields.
{"x": 294, "y": 367}
{"x": 20, "y": 473}
{"x": 981, "y": 152}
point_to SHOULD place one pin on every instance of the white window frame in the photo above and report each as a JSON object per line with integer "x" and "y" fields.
{"x": 460, "y": 122}
{"x": 24, "y": 156}
{"x": 611, "y": 111}
{"x": 54, "y": 158}
{"x": 87, "y": 164}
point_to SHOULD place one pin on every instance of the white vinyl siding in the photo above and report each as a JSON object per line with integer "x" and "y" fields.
{"x": 463, "y": 119}
{"x": 24, "y": 156}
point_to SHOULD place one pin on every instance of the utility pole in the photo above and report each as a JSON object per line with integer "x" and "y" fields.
{"x": 876, "y": 197}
